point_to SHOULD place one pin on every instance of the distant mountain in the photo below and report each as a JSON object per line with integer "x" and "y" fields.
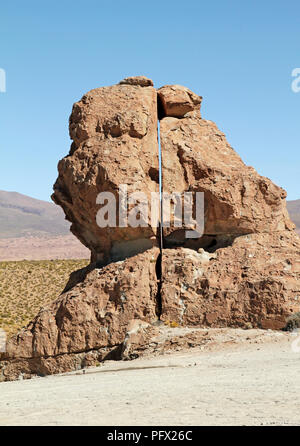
{"x": 22, "y": 216}
{"x": 35, "y": 230}
{"x": 294, "y": 211}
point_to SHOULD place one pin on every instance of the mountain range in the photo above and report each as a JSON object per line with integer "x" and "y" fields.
{"x": 294, "y": 211}
{"x": 33, "y": 229}
{"x": 22, "y": 216}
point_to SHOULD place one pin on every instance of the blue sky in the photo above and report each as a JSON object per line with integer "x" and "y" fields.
{"x": 239, "y": 55}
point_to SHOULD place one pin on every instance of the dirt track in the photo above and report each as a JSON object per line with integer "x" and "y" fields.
{"x": 242, "y": 384}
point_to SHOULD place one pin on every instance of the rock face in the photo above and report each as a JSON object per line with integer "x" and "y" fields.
{"x": 243, "y": 272}
{"x": 142, "y": 81}
{"x": 253, "y": 283}
{"x": 114, "y": 133}
{"x": 196, "y": 157}
{"x": 176, "y": 100}
{"x": 93, "y": 315}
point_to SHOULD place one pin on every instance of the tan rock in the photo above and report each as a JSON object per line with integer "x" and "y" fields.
{"x": 142, "y": 81}
{"x": 243, "y": 272}
{"x": 256, "y": 281}
{"x": 196, "y": 157}
{"x": 138, "y": 335}
{"x": 95, "y": 313}
{"x": 114, "y": 132}
{"x": 176, "y": 100}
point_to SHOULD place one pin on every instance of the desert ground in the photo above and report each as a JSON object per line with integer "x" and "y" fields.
{"x": 62, "y": 247}
{"x": 247, "y": 377}
{"x": 26, "y": 286}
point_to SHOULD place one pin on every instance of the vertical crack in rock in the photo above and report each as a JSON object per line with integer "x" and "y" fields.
{"x": 243, "y": 272}
{"x": 158, "y": 270}
{"x": 158, "y": 267}
{"x": 161, "y": 241}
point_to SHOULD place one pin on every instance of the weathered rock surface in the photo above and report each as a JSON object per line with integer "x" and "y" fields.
{"x": 197, "y": 157}
{"x": 243, "y": 272}
{"x": 93, "y": 315}
{"x": 114, "y": 133}
{"x": 255, "y": 282}
{"x": 177, "y": 100}
{"x": 142, "y": 81}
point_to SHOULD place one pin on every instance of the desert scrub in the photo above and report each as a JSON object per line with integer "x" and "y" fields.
{"x": 26, "y": 286}
{"x": 171, "y": 324}
{"x": 293, "y": 322}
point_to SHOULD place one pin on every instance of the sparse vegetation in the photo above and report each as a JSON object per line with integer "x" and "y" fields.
{"x": 293, "y": 322}
{"x": 171, "y": 324}
{"x": 26, "y": 286}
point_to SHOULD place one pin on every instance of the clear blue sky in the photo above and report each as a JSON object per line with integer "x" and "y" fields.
{"x": 238, "y": 55}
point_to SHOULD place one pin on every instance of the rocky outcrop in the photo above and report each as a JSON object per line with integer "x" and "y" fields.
{"x": 94, "y": 315}
{"x": 243, "y": 271}
{"x": 114, "y": 133}
{"x": 142, "y": 81}
{"x": 253, "y": 283}
{"x": 176, "y": 100}
{"x": 196, "y": 157}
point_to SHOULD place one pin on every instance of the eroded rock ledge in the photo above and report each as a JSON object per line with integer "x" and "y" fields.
{"x": 243, "y": 272}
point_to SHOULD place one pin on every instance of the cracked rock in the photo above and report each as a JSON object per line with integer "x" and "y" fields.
{"x": 243, "y": 271}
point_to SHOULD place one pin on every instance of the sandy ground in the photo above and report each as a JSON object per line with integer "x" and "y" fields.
{"x": 242, "y": 384}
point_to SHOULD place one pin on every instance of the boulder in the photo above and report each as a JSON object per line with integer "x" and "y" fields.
{"x": 92, "y": 316}
{"x": 114, "y": 133}
{"x": 244, "y": 271}
{"x": 196, "y": 157}
{"x": 176, "y": 100}
{"x": 142, "y": 81}
{"x": 255, "y": 282}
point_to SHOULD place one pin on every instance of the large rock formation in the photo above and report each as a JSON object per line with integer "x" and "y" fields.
{"x": 252, "y": 283}
{"x": 93, "y": 315}
{"x": 114, "y": 133}
{"x": 197, "y": 157}
{"x": 242, "y": 272}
